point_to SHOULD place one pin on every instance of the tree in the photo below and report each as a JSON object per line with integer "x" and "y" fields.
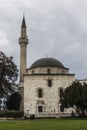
{"x": 75, "y": 95}
{"x": 13, "y": 102}
{"x": 8, "y": 74}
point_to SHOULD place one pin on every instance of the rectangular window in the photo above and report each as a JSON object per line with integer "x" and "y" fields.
{"x": 40, "y": 108}
{"x": 61, "y": 92}
{"x": 49, "y": 83}
{"x": 61, "y": 108}
{"x": 40, "y": 93}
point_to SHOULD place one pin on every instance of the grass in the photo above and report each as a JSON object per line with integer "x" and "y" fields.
{"x": 44, "y": 124}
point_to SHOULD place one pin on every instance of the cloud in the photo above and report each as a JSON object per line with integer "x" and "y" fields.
{"x": 54, "y": 27}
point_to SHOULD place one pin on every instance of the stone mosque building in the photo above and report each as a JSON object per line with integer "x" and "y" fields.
{"x": 41, "y": 85}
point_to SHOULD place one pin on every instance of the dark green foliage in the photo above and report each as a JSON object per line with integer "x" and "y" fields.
{"x": 13, "y": 102}
{"x": 75, "y": 95}
{"x": 12, "y": 114}
{"x": 8, "y": 73}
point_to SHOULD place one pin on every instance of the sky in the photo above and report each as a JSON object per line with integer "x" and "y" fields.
{"x": 57, "y": 28}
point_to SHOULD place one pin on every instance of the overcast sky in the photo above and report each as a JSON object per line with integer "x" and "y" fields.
{"x": 57, "y": 28}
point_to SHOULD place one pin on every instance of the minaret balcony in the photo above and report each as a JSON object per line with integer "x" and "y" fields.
{"x": 23, "y": 40}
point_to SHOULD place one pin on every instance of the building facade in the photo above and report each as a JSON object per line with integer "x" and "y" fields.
{"x": 42, "y": 84}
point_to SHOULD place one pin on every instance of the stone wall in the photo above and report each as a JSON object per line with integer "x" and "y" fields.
{"x": 44, "y": 70}
{"x": 50, "y": 100}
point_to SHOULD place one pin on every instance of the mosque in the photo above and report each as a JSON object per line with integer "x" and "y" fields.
{"x": 42, "y": 84}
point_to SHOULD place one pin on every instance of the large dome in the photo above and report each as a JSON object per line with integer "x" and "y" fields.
{"x": 47, "y": 62}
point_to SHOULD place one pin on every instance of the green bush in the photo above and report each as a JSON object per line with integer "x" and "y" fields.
{"x": 2, "y": 114}
{"x": 11, "y": 114}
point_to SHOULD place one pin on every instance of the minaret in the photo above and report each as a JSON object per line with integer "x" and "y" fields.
{"x": 23, "y": 41}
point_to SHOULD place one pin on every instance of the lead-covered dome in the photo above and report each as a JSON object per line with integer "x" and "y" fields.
{"x": 47, "y": 62}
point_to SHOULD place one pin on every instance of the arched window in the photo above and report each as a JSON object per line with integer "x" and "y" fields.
{"x": 48, "y": 71}
{"x": 40, "y": 93}
{"x": 49, "y": 83}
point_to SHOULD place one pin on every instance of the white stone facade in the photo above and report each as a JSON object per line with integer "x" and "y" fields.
{"x": 49, "y": 103}
{"x": 44, "y": 70}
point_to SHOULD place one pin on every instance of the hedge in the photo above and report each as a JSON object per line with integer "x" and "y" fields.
{"x": 11, "y": 114}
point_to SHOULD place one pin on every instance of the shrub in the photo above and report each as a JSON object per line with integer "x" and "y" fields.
{"x": 11, "y": 114}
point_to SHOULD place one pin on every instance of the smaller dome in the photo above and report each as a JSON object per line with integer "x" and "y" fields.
{"x": 47, "y": 62}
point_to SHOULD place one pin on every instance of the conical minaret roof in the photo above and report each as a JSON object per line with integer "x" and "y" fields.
{"x": 23, "y": 22}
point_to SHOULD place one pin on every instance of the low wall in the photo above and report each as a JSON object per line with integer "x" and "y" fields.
{"x": 56, "y": 115}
